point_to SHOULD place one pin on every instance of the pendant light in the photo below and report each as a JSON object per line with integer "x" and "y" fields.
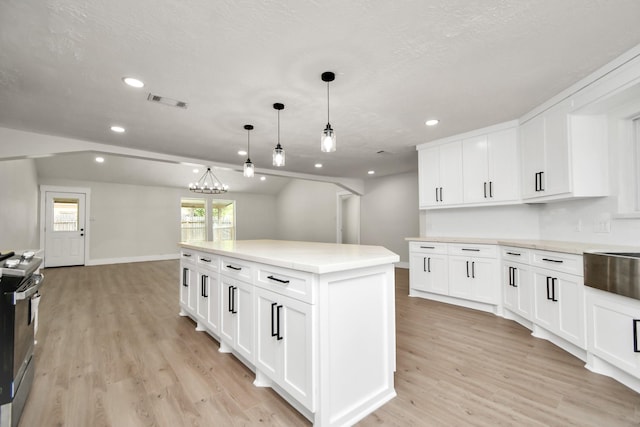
{"x": 248, "y": 166}
{"x": 278, "y": 152}
{"x": 328, "y": 137}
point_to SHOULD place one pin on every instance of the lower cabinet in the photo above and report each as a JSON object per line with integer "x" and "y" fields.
{"x": 473, "y": 279}
{"x": 237, "y": 317}
{"x": 283, "y": 345}
{"x": 614, "y": 329}
{"x": 208, "y": 310}
{"x": 429, "y": 269}
{"x": 559, "y": 305}
{"x": 188, "y": 285}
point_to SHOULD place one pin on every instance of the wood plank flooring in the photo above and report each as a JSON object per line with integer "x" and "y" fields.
{"x": 112, "y": 351}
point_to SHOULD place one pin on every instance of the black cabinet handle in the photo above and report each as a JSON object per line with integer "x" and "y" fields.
{"x": 467, "y": 268}
{"x": 278, "y": 308}
{"x": 473, "y": 269}
{"x": 186, "y": 255}
{"x": 558, "y": 261}
{"x": 635, "y": 336}
{"x": 513, "y": 253}
{"x": 233, "y": 300}
{"x": 277, "y": 280}
{"x": 234, "y": 268}
{"x": 205, "y": 259}
{"x": 548, "y": 287}
{"x": 485, "y": 190}
{"x": 424, "y": 264}
{"x": 441, "y": 198}
{"x": 203, "y": 285}
{"x": 230, "y": 305}
{"x": 471, "y": 249}
{"x": 437, "y": 195}
{"x": 427, "y": 247}
{"x": 429, "y": 265}
{"x": 536, "y": 184}
{"x": 274, "y": 333}
{"x": 553, "y": 289}
{"x": 513, "y": 272}
{"x": 541, "y": 181}
{"x": 490, "y": 188}
{"x": 510, "y": 281}
{"x": 185, "y": 274}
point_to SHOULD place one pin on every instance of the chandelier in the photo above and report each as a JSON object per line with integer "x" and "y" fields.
{"x": 208, "y": 184}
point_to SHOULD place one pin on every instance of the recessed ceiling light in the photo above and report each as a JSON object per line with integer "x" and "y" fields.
{"x": 117, "y": 129}
{"x": 432, "y": 122}
{"x": 242, "y": 153}
{"x": 133, "y": 82}
{"x": 100, "y": 159}
{"x": 371, "y": 172}
{"x": 318, "y": 165}
{"x": 196, "y": 170}
{"x": 263, "y": 178}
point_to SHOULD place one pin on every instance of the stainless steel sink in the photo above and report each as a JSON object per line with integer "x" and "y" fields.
{"x": 616, "y": 272}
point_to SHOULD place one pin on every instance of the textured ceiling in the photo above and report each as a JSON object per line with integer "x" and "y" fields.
{"x": 469, "y": 63}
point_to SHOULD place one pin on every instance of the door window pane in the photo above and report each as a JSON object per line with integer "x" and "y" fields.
{"x": 65, "y": 214}
{"x": 223, "y": 219}
{"x": 193, "y": 220}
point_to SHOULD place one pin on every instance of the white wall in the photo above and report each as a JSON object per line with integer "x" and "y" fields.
{"x": 350, "y": 218}
{"x": 18, "y": 205}
{"x": 306, "y": 211}
{"x": 143, "y": 222}
{"x": 389, "y": 212}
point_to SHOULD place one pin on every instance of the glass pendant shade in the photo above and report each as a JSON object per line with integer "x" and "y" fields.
{"x": 249, "y": 170}
{"x": 278, "y": 156}
{"x": 328, "y": 140}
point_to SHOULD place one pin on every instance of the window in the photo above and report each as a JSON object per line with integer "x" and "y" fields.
{"x": 193, "y": 221}
{"x": 65, "y": 214}
{"x": 223, "y": 219}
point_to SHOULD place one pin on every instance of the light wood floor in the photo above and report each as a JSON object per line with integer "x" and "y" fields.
{"x": 112, "y": 351}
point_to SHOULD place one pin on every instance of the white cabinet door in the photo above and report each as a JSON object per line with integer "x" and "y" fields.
{"x": 284, "y": 343}
{"x": 614, "y": 329}
{"x": 451, "y": 173}
{"x": 559, "y": 305}
{"x": 227, "y": 315}
{"x": 532, "y": 156}
{"x": 429, "y": 273}
{"x": 203, "y": 288}
{"x": 475, "y": 158}
{"x": 517, "y": 288}
{"x": 473, "y": 279}
{"x": 213, "y": 300}
{"x": 429, "y": 176}
{"x": 243, "y": 300}
{"x": 189, "y": 289}
{"x": 503, "y": 165}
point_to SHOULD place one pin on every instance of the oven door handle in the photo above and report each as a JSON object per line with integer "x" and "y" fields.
{"x": 27, "y": 293}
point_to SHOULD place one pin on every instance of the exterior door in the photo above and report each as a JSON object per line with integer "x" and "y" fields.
{"x": 64, "y": 229}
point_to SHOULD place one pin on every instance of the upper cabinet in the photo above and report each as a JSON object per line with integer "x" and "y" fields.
{"x": 476, "y": 168}
{"x": 491, "y": 171}
{"x": 564, "y": 155}
{"x": 440, "y": 172}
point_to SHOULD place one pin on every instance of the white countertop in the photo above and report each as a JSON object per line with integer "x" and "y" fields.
{"x": 312, "y": 257}
{"x": 547, "y": 245}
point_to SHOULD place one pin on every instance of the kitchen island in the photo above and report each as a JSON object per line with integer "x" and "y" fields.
{"x": 314, "y": 321}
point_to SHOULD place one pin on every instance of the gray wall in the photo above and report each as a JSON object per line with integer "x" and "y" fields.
{"x": 389, "y": 212}
{"x": 18, "y": 205}
{"x": 307, "y": 211}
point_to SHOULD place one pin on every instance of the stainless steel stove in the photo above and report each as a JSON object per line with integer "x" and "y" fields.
{"x": 19, "y": 285}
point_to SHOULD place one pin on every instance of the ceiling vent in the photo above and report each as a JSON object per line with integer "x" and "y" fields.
{"x": 166, "y": 101}
{"x": 384, "y": 153}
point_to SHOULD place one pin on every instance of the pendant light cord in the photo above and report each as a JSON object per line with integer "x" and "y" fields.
{"x": 248, "y": 144}
{"x": 328, "y": 102}
{"x": 278, "y": 127}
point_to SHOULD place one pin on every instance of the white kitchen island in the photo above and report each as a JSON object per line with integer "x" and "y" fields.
{"x": 315, "y": 321}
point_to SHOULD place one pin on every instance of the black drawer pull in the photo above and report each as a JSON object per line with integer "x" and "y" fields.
{"x": 471, "y": 250}
{"x": 559, "y": 261}
{"x": 513, "y": 253}
{"x": 635, "y": 336}
{"x": 186, "y": 255}
{"x": 277, "y": 280}
{"x": 205, "y": 259}
{"x": 234, "y": 268}
{"x": 427, "y": 247}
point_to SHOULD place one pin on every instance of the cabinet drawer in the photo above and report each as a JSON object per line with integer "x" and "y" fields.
{"x": 232, "y": 267}
{"x": 188, "y": 256}
{"x": 514, "y": 254}
{"x": 558, "y": 261}
{"x": 473, "y": 250}
{"x": 294, "y": 284}
{"x": 208, "y": 261}
{"x": 428, "y": 247}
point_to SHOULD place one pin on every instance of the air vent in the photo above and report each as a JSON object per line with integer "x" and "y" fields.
{"x": 166, "y": 101}
{"x": 384, "y": 153}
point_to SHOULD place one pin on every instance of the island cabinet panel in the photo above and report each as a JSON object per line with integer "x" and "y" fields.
{"x": 322, "y": 335}
{"x": 284, "y": 346}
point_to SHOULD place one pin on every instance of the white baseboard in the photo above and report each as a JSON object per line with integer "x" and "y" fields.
{"x": 104, "y": 261}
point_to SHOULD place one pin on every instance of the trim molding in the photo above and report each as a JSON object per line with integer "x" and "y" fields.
{"x": 125, "y": 260}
